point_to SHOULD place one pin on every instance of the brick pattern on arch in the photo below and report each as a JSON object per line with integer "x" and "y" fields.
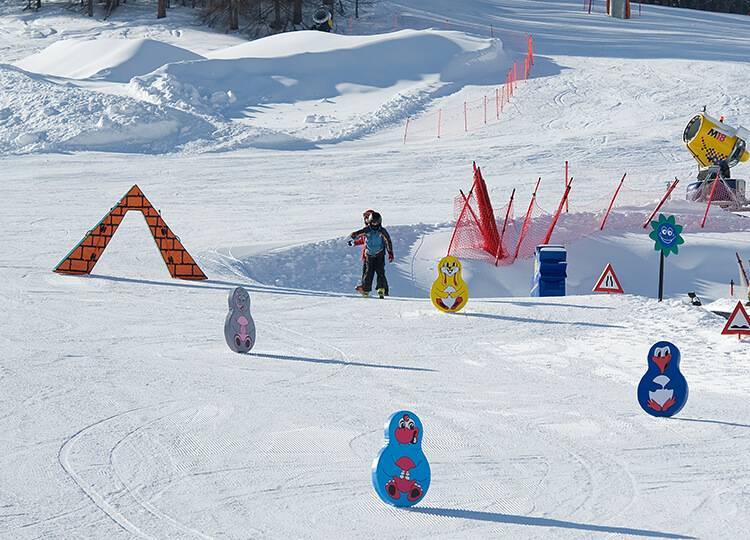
{"x": 82, "y": 258}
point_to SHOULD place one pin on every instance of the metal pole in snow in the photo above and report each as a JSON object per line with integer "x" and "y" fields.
{"x": 485, "y": 109}
{"x": 497, "y": 102}
{"x": 466, "y": 122}
{"x": 661, "y": 275}
{"x": 440, "y": 120}
{"x": 406, "y": 128}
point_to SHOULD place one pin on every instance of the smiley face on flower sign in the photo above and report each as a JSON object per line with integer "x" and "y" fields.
{"x": 666, "y": 235}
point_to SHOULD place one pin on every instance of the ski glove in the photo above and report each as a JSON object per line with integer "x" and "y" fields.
{"x": 390, "y": 256}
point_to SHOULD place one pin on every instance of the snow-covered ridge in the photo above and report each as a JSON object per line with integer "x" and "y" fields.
{"x": 115, "y": 60}
{"x": 288, "y": 90}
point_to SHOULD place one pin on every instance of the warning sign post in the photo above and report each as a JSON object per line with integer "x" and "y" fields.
{"x": 608, "y": 282}
{"x": 738, "y": 322}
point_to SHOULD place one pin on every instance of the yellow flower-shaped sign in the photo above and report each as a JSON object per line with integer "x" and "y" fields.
{"x": 449, "y": 292}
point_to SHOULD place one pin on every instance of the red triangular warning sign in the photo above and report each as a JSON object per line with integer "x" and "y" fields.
{"x": 738, "y": 322}
{"x": 608, "y": 282}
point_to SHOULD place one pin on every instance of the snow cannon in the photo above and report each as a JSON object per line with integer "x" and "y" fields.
{"x": 711, "y": 141}
{"x": 717, "y": 147}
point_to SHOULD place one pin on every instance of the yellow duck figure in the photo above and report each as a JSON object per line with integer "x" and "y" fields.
{"x": 449, "y": 292}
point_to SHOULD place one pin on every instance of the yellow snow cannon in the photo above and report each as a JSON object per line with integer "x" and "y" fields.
{"x": 717, "y": 147}
{"x": 711, "y": 141}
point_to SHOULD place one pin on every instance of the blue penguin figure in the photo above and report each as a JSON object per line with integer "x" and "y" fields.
{"x": 400, "y": 472}
{"x": 663, "y": 390}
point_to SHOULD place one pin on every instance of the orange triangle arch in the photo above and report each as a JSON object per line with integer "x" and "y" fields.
{"x": 82, "y": 258}
{"x": 738, "y": 322}
{"x": 608, "y": 282}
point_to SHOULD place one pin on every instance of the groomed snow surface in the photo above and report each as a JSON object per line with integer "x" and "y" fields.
{"x": 124, "y": 414}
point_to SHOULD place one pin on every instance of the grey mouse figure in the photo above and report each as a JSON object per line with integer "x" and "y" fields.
{"x": 239, "y": 327}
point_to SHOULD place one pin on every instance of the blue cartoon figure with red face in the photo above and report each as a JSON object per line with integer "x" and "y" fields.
{"x": 663, "y": 390}
{"x": 400, "y": 472}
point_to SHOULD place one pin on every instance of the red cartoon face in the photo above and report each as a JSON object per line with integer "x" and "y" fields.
{"x": 407, "y": 432}
{"x": 661, "y": 357}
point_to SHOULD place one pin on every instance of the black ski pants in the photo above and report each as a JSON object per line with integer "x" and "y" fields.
{"x": 374, "y": 264}
{"x": 364, "y": 273}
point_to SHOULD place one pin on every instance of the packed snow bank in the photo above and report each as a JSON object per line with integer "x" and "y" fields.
{"x": 705, "y": 262}
{"x": 40, "y": 115}
{"x": 114, "y": 60}
{"x": 353, "y": 84}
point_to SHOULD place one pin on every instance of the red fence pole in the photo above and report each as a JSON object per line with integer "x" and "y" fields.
{"x": 612, "y": 202}
{"x": 710, "y": 199}
{"x": 566, "y": 185}
{"x": 557, "y": 214}
{"x": 526, "y": 220}
{"x": 661, "y": 203}
{"x": 505, "y": 225}
{"x": 531, "y": 49}
{"x": 515, "y": 76}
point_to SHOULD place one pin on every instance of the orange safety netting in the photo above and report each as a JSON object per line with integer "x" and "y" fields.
{"x": 82, "y": 258}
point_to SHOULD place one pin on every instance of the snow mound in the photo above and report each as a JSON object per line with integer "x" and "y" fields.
{"x": 354, "y": 82}
{"x": 114, "y": 60}
{"x": 39, "y": 115}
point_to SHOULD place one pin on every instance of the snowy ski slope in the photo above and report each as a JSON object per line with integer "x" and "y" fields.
{"x": 123, "y": 414}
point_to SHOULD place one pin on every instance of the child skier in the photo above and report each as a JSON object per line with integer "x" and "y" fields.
{"x": 360, "y": 241}
{"x": 377, "y": 242}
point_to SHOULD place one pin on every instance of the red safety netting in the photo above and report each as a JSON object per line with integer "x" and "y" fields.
{"x": 475, "y": 234}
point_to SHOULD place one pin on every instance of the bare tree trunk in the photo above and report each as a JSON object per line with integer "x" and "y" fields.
{"x": 277, "y": 14}
{"x": 234, "y": 14}
{"x": 90, "y": 8}
{"x": 161, "y": 9}
{"x": 297, "y": 12}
